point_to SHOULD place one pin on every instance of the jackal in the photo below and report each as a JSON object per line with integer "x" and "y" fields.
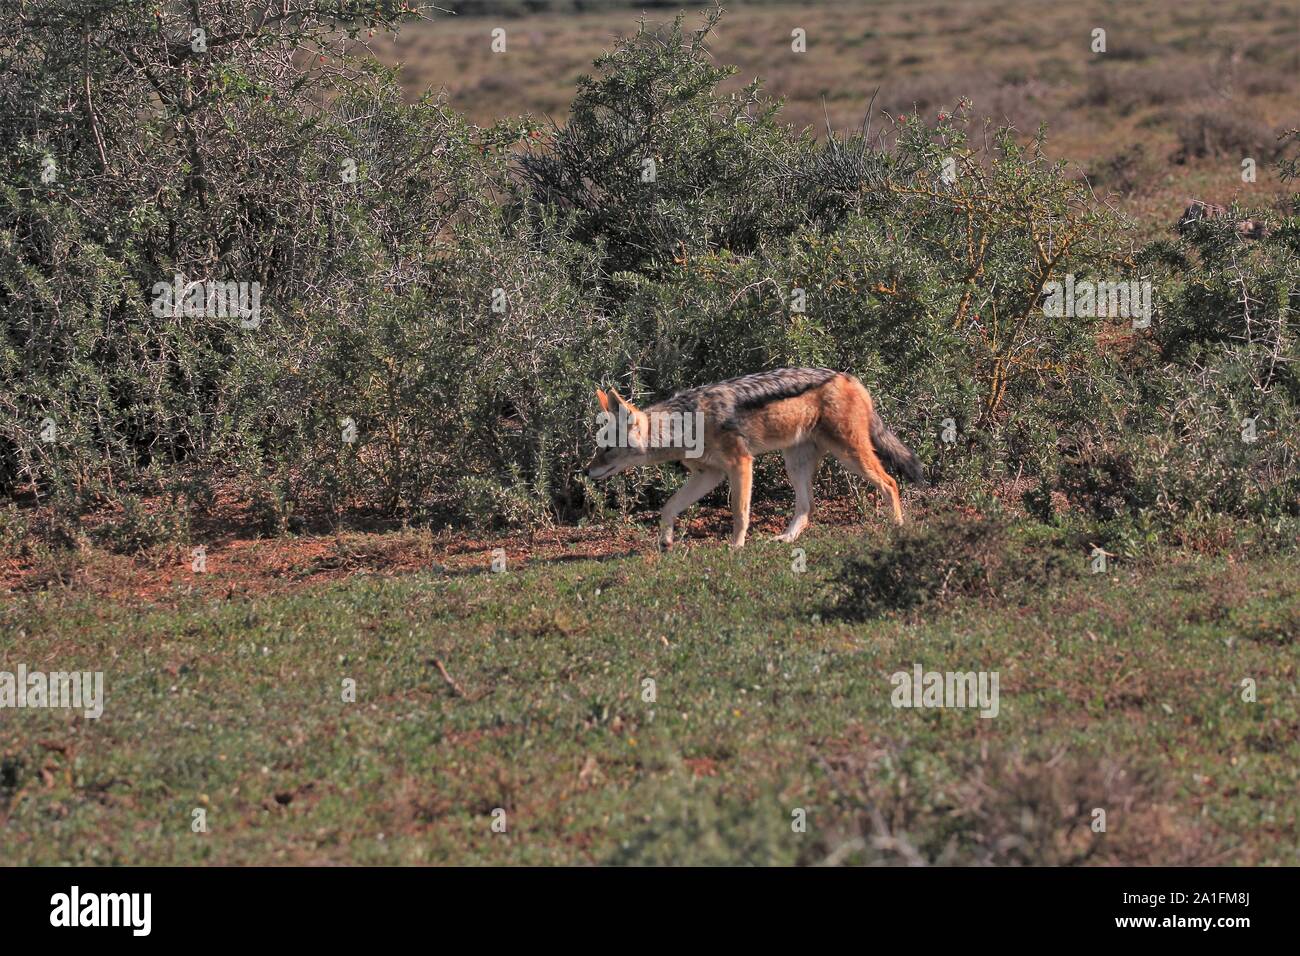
{"x": 805, "y": 413}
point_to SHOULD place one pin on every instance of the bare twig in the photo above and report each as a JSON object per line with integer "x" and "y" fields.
{"x": 451, "y": 681}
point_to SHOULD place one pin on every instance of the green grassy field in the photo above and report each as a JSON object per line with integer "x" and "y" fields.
{"x": 525, "y": 691}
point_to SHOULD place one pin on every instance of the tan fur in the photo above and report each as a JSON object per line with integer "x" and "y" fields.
{"x": 833, "y": 418}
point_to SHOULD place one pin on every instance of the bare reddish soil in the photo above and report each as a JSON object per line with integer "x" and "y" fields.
{"x": 240, "y": 563}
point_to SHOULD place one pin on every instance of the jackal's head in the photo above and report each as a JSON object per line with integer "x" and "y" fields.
{"x": 622, "y": 437}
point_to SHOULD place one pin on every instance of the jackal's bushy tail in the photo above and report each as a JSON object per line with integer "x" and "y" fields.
{"x": 895, "y": 456}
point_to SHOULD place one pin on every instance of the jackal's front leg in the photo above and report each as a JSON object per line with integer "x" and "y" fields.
{"x": 697, "y": 486}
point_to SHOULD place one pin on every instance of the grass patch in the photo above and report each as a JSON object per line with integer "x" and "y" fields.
{"x": 527, "y": 692}
{"x": 951, "y": 557}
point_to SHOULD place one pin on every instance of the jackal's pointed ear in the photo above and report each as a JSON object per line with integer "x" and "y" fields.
{"x": 623, "y": 401}
{"x": 603, "y": 399}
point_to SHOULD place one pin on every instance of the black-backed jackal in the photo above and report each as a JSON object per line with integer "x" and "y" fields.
{"x": 717, "y": 430}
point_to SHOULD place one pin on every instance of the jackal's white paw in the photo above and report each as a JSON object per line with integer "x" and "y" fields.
{"x": 786, "y": 537}
{"x": 665, "y": 542}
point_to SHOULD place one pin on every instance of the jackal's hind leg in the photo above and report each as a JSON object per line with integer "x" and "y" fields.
{"x": 801, "y": 463}
{"x": 741, "y": 477}
{"x": 865, "y": 464}
{"x": 697, "y": 486}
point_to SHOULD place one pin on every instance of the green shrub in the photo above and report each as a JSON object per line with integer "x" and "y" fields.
{"x": 1203, "y": 422}
{"x": 656, "y": 165}
{"x": 138, "y": 526}
{"x": 948, "y": 558}
{"x": 438, "y": 300}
